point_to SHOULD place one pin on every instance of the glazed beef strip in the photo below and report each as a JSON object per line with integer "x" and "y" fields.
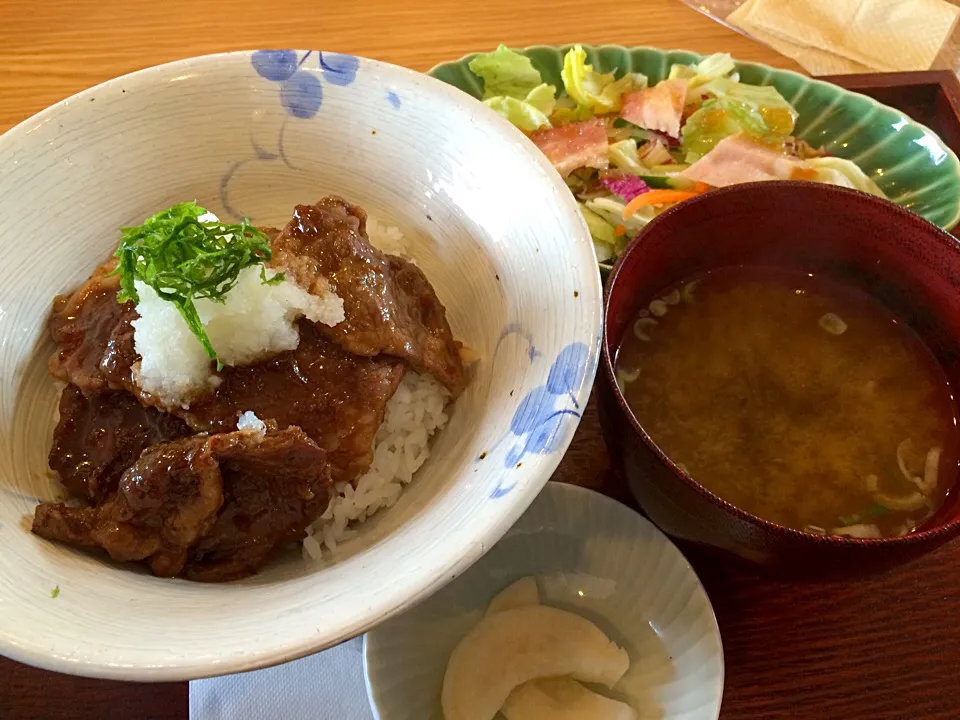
{"x": 94, "y": 335}
{"x": 211, "y": 507}
{"x": 101, "y": 435}
{"x": 335, "y": 385}
{"x": 336, "y": 398}
{"x": 390, "y": 306}
{"x": 271, "y": 497}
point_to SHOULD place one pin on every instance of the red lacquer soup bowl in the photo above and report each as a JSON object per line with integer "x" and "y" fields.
{"x": 908, "y": 264}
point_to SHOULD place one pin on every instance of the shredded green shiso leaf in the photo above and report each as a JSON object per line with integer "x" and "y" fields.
{"x": 184, "y": 259}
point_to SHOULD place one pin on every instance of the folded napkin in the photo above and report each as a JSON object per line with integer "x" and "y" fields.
{"x": 830, "y": 37}
{"x": 325, "y": 686}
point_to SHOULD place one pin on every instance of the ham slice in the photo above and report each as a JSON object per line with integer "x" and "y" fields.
{"x": 657, "y": 108}
{"x": 737, "y": 159}
{"x": 582, "y": 144}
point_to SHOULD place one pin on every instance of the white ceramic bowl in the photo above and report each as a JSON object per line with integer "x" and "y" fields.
{"x": 490, "y": 223}
{"x": 591, "y": 555}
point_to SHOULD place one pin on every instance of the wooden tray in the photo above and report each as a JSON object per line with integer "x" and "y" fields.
{"x": 932, "y": 98}
{"x": 883, "y": 648}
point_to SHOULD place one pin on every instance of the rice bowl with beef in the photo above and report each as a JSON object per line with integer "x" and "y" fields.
{"x": 489, "y": 224}
{"x": 233, "y": 390}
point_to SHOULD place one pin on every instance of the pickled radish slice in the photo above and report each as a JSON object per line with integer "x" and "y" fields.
{"x": 511, "y": 647}
{"x": 562, "y": 699}
{"x": 521, "y": 593}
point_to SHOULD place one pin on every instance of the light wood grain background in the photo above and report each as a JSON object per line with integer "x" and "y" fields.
{"x": 882, "y": 649}
{"x": 51, "y": 49}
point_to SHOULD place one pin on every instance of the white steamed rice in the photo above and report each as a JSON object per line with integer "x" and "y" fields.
{"x": 387, "y": 239}
{"x": 414, "y": 414}
{"x": 249, "y": 422}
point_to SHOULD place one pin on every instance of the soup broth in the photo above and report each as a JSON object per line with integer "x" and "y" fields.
{"x": 797, "y": 399}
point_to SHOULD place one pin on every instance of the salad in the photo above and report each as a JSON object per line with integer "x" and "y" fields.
{"x": 629, "y": 150}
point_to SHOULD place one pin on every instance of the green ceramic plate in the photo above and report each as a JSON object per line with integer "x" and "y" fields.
{"x": 907, "y": 160}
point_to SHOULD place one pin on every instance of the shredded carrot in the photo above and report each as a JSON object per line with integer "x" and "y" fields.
{"x": 656, "y": 197}
{"x": 700, "y": 187}
{"x": 619, "y": 231}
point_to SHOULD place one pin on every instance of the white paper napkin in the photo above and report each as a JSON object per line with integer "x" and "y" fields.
{"x": 325, "y": 686}
{"x": 844, "y": 36}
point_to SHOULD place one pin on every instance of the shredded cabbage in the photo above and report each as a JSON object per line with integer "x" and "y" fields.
{"x": 623, "y": 155}
{"x": 523, "y": 114}
{"x": 717, "y": 119}
{"x": 845, "y": 173}
{"x": 716, "y": 65}
{"x": 600, "y": 229}
{"x": 514, "y": 88}
{"x": 612, "y": 95}
{"x": 505, "y": 72}
{"x": 779, "y": 115}
{"x": 610, "y": 209}
{"x": 654, "y": 153}
{"x": 543, "y": 98}
{"x": 567, "y": 115}
{"x": 711, "y": 67}
{"x": 640, "y": 81}
{"x": 603, "y": 251}
{"x": 598, "y": 92}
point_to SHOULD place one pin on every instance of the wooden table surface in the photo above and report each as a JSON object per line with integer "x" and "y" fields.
{"x": 887, "y": 648}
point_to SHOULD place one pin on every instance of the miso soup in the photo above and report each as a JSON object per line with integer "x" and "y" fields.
{"x": 795, "y": 398}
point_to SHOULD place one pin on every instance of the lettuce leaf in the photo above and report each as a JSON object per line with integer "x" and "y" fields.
{"x": 653, "y": 148}
{"x": 654, "y": 152}
{"x": 603, "y": 251}
{"x": 610, "y": 209}
{"x": 522, "y": 115}
{"x": 717, "y": 119}
{"x": 564, "y": 115}
{"x": 531, "y": 113}
{"x": 505, "y": 73}
{"x": 845, "y": 173}
{"x": 611, "y": 96}
{"x": 599, "y": 92}
{"x": 623, "y": 156}
{"x": 711, "y": 67}
{"x": 716, "y": 65}
{"x": 606, "y": 244}
{"x": 779, "y": 115}
{"x": 543, "y": 97}
{"x": 600, "y": 229}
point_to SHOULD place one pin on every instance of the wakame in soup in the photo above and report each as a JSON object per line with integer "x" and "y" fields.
{"x": 797, "y": 399}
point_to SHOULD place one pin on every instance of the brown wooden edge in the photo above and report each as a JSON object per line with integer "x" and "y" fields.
{"x": 931, "y": 97}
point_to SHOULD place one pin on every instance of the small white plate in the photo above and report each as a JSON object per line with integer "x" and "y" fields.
{"x": 591, "y": 555}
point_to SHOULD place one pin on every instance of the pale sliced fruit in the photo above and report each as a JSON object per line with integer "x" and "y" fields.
{"x": 562, "y": 699}
{"x": 509, "y": 648}
{"x": 521, "y": 593}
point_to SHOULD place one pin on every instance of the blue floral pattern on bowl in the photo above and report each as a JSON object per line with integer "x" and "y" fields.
{"x": 301, "y": 91}
{"x": 539, "y": 418}
{"x": 301, "y": 95}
